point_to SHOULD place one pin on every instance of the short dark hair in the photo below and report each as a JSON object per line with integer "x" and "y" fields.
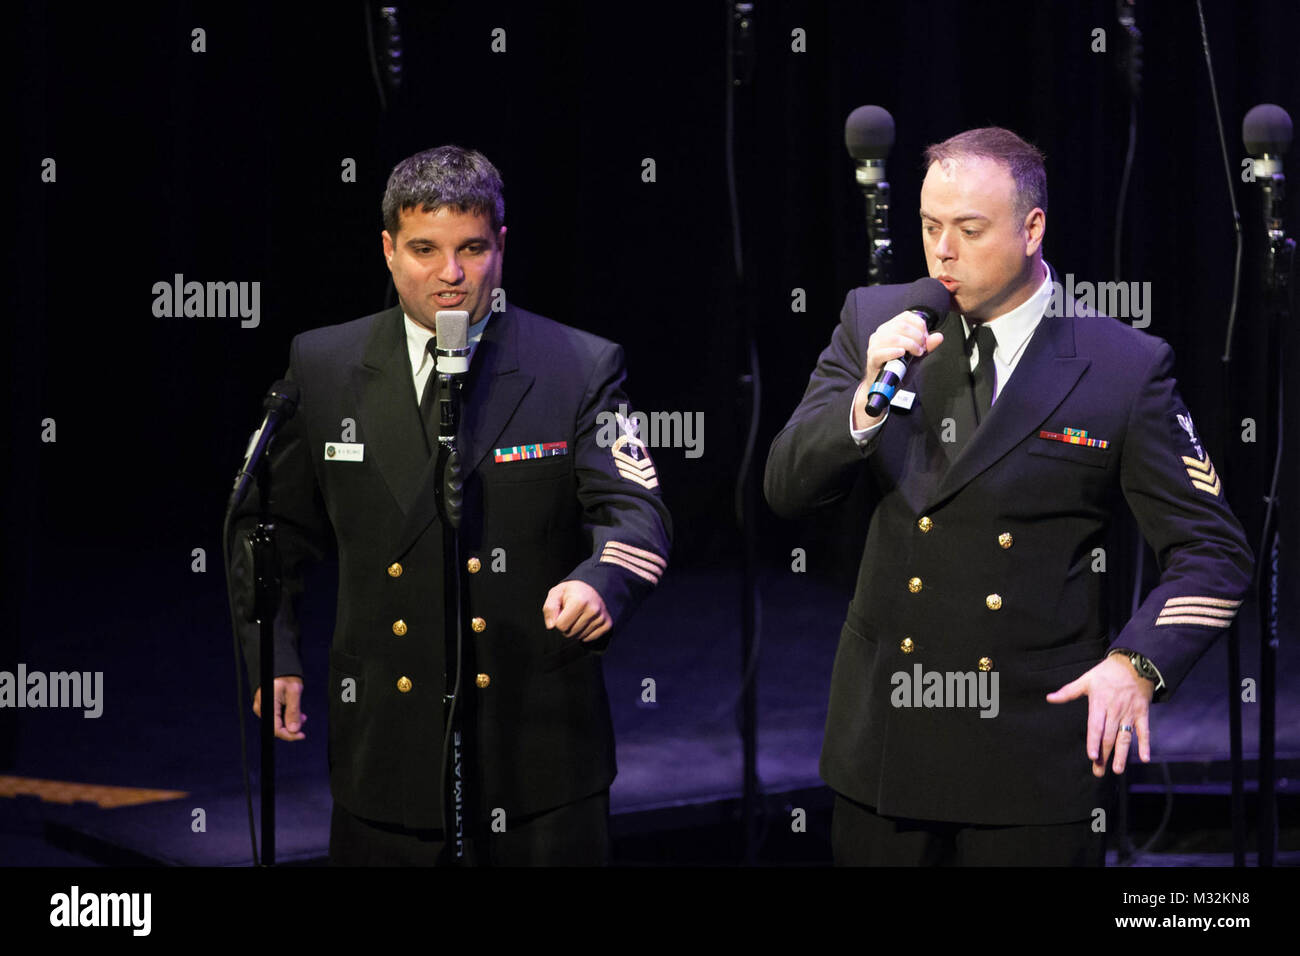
{"x": 462, "y": 180}
{"x": 1023, "y": 160}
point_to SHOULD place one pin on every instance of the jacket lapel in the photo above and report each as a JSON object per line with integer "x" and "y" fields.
{"x": 942, "y": 380}
{"x": 1045, "y": 374}
{"x": 387, "y": 411}
{"x": 493, "y": 390}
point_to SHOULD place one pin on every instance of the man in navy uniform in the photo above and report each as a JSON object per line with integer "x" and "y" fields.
{"x": 563, "y": 532}
{"x": 976, "y": 700}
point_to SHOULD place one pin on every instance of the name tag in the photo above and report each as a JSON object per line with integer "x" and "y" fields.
{"x": 903, "y": 399}
{"x": 345, "y": 451}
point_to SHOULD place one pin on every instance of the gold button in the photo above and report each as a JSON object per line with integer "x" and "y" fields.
{"x": 1005, "y": 539}
{"x": 394, "y": 570}
{"x": 403, "y": 684}
{"x": 482, "y": 681}
{"x": 479, "y": 625}
{"x": 986, "y": 664}
{"x": 993, "y": 602}
{"x": 474, "y": 565}
{"x": 399, "y": 627}
{"x": 907, "y": 646}
{"x": 925, "y": 524}
{"x": 914, "y": 585}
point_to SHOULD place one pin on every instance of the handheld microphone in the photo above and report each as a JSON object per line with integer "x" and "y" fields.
{"x": 280, "y": 403}
{"x": 868, "y": 136}
{"x": 931, "y": 302}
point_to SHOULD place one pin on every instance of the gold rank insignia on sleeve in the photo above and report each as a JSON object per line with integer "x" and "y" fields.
{"x": 631, "y": 457}
{"x": 639, "y": 561}
{"x": 1210, "y": 611}
{"x": 1200, "y": 469}
{"x": 1203, "y": 475}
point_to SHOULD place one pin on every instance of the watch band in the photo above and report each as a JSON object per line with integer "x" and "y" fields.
{"x": 1142, "y": 665}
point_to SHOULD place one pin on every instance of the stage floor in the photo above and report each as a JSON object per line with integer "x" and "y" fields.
{"x": 169, "y": 723}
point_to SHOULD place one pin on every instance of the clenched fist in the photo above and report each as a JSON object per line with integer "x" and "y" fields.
{"x": 903, "y": 334}
{"x": 577, "y": 610}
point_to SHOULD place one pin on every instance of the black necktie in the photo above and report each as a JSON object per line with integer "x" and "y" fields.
{"x": 429, "y": 398}
{"x": 983, "y": 375}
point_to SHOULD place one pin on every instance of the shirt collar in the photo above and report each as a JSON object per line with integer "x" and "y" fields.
{"x": 417, "y": 340}
{"x": 1012, "y": 329}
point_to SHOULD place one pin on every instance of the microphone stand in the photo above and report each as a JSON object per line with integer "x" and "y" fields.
{"x": 1277, "y": 287}
{"x": 266, "y": 602}
{"x": 880, "y": 264}
{"x": 740, "y": 52}
{"x": 264, "y": 564}
{"x": 458, "y": 765}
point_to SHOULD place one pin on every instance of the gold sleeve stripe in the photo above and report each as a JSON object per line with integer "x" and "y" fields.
{"x": 1192, "y": 619}
{"x": 623, "y": 458}
{"x": 631, "y": 475}
{"x": 628, "y": 560}
{"x": 1206, "y": 601}
{"x": 1213, "y": 489}
{"x": 612, "y": 558}
{"x": 1205, "y": 612}
{"x": 637, "y": 553}
{"x": 1203, "y": 475}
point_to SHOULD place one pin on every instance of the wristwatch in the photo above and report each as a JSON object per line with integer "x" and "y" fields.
{"x": 1142, "y": 665}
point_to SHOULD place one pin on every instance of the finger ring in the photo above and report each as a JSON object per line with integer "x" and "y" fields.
{"x": 1126, "y": 728}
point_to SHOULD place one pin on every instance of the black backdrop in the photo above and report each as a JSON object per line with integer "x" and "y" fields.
{"x": 226, "y": 165}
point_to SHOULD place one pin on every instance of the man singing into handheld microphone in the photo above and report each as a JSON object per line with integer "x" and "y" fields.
{"x": 976, "y": 702}
{"x": 562, "y": 532}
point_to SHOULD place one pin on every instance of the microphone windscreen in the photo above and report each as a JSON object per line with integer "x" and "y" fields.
{"x": 282, "y": 398}
{"x": 930, "y": 297}
{"x": 453, "y": 329}
{"x": 1266, "y": 129}
{"x": 869, "y": 132}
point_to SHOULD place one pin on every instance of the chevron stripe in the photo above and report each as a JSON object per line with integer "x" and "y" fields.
{"x": 638, "y": 478}
{"x": 629, "y": 461}
{"x": 1204, "y": 478}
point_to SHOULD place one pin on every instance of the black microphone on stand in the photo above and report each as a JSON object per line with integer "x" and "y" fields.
{"x": 261, "y": 601}
{"x": 452, "y": 350}
{"x": 280, "y": 403}
{"x": 868, "y": 136}
{"x": 931, "y": 302}
{"x": 458, "y": 770}
{"x": 1266, "y": 131}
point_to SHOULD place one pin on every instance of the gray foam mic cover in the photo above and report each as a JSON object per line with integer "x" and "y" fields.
{"x": 453, "y": 329}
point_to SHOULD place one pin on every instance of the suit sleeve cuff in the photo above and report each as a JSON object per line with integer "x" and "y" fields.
{"x": 863, "y": 436}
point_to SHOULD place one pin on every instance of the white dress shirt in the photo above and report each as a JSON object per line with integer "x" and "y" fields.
{"x": 417, "y": 345}
{"x": 1012, "y": 330}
